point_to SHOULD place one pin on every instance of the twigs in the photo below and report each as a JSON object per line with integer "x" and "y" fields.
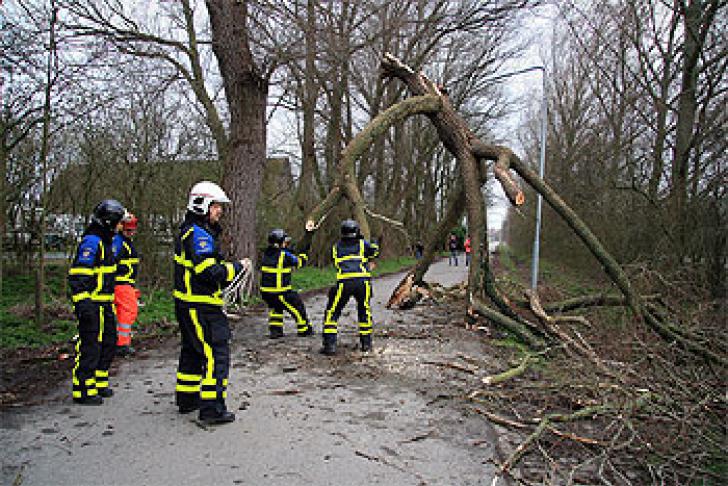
{"x": 511, "y": 373}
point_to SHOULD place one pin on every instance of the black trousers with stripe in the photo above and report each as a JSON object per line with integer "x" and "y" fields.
{"x": 204, "y": 358}
{"x": 339, "y": 295}
{"x": 288, "y": 301}
{"x": 95, "y": 347}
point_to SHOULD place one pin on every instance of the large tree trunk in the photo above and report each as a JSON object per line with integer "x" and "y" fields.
{"x": 306, "y": 193}
{"x": 246, "y": 91}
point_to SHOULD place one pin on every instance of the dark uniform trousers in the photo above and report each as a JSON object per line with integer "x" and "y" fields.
{"x": 95, "y": 347}
{"x": 288, "y": 301}
{"x": 204, "y": 360}
{"x": 361, "y": 290}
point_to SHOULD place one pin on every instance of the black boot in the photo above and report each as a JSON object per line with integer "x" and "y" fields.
{"x": 329, "y": 348}
{"x": 105, "y": 392}
{"x": 217, "y": 418}
{"x": 366, "y": 342}
{"x": 275, "y": 332}
{"x": 94, "y": 400}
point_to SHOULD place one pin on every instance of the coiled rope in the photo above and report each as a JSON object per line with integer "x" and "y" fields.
{"x": 236, "y": 296}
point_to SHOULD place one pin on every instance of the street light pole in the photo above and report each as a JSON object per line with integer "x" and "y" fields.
{"x": 541, "y": 165}
{"x": 539, "y": 199}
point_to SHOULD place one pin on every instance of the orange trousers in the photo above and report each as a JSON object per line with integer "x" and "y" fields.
{"x": 125, "y": 300}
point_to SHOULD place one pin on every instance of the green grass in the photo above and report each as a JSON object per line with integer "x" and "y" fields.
{"x": 17, "y": 326}
{"x": 156, "y": 317}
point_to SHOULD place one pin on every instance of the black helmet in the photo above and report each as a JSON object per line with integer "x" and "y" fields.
{"x": 349, "y": 229}
{"x": 277, "y": 237}
{"x": 108, "y": 213}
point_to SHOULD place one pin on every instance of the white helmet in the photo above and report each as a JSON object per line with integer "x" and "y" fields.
{"x": 203, "y": 194}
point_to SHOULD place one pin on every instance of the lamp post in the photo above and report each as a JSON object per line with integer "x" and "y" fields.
{"x": 541, "y": 165}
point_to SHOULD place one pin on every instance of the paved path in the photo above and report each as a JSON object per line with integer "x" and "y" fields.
{"x": 389, "y": 417}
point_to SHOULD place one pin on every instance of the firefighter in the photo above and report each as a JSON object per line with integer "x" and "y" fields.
{"x": 200, "y": 274}
{"x": 125, "y": 291}
{"x": 275, "y": 285}
{"x": 91, "y": 281}
{"x": 351, "y": 259}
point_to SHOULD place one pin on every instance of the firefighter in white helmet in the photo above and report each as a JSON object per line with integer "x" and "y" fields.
{"x": 200, "y": 274}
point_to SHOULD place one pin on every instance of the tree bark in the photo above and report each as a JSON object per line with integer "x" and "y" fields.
{"x": 246, "y": 91}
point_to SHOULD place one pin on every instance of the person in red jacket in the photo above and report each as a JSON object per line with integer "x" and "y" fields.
{"x": 125, "y": 291}
{"x": 467, "y": 251}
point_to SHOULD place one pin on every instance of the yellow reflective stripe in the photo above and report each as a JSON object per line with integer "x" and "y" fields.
{"x": 129, "y": 261}
{"x": 188, "y": 388}
{"x": 349, "y": 257}
{"x": 279, "y": 274}
{"x": 80, "y": 296}
{"x": 92, "y": 271}
{"x": 334, "y": 303}
{"x": 208, "y": 395}
{"x": 81, "y": 271}
{"x": 102, "y": 374}
{"x": 187, "y": 233}
{"x": 93, "y": 297}
{"x": 188, "y": 377}
{"x": 205, "y": 264}
{"x": 293, "y": 310}
{"x": 302, "y": 257}
{"x": 275, "y": 314}
{"x": 197, "y": 299}
{"x": 367, "y": 308}
{"x": 343, "y": 276}
{"x": 101, "y": 324}
{"x": 206, "y": 349}
{"x": 182, "y": 261}
{"x": 125, "y": 279}
{"x": 276, "y": 270}
{"x": 76, "y": 359}
{"x": 230, "y": 271}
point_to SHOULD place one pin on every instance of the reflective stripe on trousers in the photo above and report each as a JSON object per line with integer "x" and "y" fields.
{"x": 361, "y": 290}
{"x": 204, "y": 360}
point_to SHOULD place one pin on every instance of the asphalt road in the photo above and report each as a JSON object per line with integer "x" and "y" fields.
{"x": 390, "y": 417}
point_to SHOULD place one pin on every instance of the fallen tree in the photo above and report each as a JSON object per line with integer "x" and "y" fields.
{"x": 472, "y": 156}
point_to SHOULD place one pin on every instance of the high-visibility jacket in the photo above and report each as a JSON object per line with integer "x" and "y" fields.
{"x": 200, "y": 271}
{"x": 92, "y": 273}
{"x": 127, "y": 260}
{"x": 351, "y": 258}
{"x": 276, "y": 267}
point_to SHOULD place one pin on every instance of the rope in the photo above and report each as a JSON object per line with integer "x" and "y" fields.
{"x": 236, "y": 295}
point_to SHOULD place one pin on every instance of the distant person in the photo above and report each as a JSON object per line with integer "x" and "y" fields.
{"x": 351, "y": 258}
{"x": 419, "y": 250}
{"x": 91, "y": 281}
{"x": 452, "y": 245}
{"x": 275, "y": 285}
{"x": 467, "y": 251}
{"x": 126, "y": 294}
{"x": 200, "y": 274}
